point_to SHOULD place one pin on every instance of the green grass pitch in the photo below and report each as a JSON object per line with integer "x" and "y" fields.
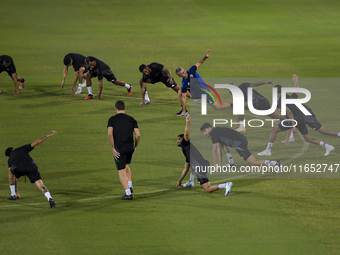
{"x": 248, "y": 39}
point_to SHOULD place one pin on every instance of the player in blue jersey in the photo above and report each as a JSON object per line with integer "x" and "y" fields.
{"x": 191, "y": 90}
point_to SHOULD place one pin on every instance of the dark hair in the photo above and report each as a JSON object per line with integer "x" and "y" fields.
{"x": 178, "y": 70}
{"x": 67, "y": 60}
{"x": 142, "y": 67}
{"x": 7, "y": 60}
{"x": 278, "y": 88}
{"x": 120, "y": 105}
{"x": 205, "y": 125}
{"x": 8, "y": 151}
{"x": 181, "y": 136}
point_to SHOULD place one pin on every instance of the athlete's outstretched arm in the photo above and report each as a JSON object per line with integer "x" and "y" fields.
{"x": 39, "y": 141}
{"x": 187, "y": 129}
{"x": 184, "y": 173}
{"x": 200, "y": 62}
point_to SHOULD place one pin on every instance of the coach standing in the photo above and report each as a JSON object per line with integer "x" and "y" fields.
{"x": 120, "y": 132}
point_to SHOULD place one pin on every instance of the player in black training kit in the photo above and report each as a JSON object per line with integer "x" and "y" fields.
{"x": 231, "y": 138}
{"x": 120, "y": 132}
{"x": 154, "y": 73}
{"x": 309, "y": 119}
{"x": 80, "y": 69}
{"x": 20, "y": 164}
{"x": 101, "y": 70}
{"x": 293, "y": 113}
{"x": 196, "y": 160}
{"x": 7, "y": 65}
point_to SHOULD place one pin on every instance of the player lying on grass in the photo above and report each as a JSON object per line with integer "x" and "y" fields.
{"x": 101, "y": 70}
{"x": 7, "y": 65}
{"x": 80, "y": 70}
{"x": 195, "y": 159}
{"x": 293, "y": 114}
{"x": 309, "y": 119}
{"x": 20, "y": 164}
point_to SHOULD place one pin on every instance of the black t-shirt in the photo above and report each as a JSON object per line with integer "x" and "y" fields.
{"x": 156, "y": 72}
{"x": 78, "y": 60}
{"x": 256, "y": 95}
{"x": 20, "y": 156}
{"x": 10, "y": 69}
{"x": 190, "y": 151}
{"x": 292, "y": 107}
{"x": 100, "y": 68}
{"x": 227, "y": 136}
{"x": 123, "y": 127}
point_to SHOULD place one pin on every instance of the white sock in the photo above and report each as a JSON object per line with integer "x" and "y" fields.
{"x": 241, "y": 123}
{"x": 269, "y": 146}
{"x": 128, "y": 192}
{"x": 270, "y": 162}
{"x": 146, "y": 96}
{"x": 339, "y": 134}
{"x": 127, "y": 86}
{"x": 89, "y": 89}
{"x": 192, "y": 177}
{"x": 230, "y": 158}
{"x": 130, "y": 184}
{"x": 12, "y": 188}
{"x": 323, "y": 144}
{"x": 291, "y": 136}
{"x": 222, "y": 186}
{"x": 48, "y": 195}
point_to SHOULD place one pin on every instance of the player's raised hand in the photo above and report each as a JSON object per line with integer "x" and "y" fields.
{"x": 52, "y": 133}
{"x": 207, "y": 54}
{"x": 188, "y": 118}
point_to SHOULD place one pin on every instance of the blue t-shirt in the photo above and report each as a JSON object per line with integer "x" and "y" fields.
{"x": 192, "y": 74}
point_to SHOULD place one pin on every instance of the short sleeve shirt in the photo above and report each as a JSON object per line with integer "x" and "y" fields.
{"x": 20, "y": 156}
{"x": 156, "y": 72}
{"x": 78, "y": 60}
{"x": 226, "y": 136}
{"x": 191, "y": 74}
{"x": 100, "y": 68}
{"x": 123, "y": 128}
{"x": 10, "y": 69}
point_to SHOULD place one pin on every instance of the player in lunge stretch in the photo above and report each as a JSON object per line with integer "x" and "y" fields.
{"x": 101, "y": 70}
{"x": 190, "y": 89}
{"x": 7, "y": 65}
{"x": 154, "y": 73}
{"x": 20, "y": 164}
{"x": 293, "y": 113}
{"x": 309, "y": 119}
{"x": 194, "y": 160}
{"x": 231, "y": 138}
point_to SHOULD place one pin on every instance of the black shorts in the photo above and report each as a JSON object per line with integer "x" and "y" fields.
{"x": 301, "y": 125}
{"x": 31, "y": 171}
{"x": 9, "y": 73}
{"x": 201, "y": 173}
{"x": 312, "y": 122}
{"x": 242, "y": 149}
{"x": 108, "y": 75}
{"x": 123, "y": 160}
{"x": 163, "y": 79}
{"x": 85, "y": 71}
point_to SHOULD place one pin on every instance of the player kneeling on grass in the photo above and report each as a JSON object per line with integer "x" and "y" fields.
{"x": 20, "y": 163}
{"x": 196, "y": 160}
